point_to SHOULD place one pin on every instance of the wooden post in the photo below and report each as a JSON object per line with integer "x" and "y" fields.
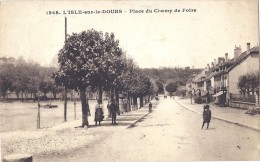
{"x": 39, "y": 115}
{"x": 65, "y": 103}
{"x": 191, "y": 97}
{"x": 75, "y": 117}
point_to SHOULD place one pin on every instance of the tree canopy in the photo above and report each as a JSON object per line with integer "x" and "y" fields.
{"x": 249, "y": 83}
{"x": 171, "y": 87}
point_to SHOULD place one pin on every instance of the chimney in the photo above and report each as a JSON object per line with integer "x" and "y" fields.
{"x": 212, "y": 64}
{"x": 226, "y": 57}
{"x": 208, "y": 66}
{"x": 237, "y": 52}
{"x": 219, "y": 60}
{"x": 248, "y": 47}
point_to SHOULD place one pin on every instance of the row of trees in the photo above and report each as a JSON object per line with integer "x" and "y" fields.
{"x": 249, "y": 83}
{"x": 26, "y": 79}
{"x": 93, "y": 59}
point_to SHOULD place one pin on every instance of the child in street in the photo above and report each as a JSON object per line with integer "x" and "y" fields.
{"x": 206, "y": 116}
{"x": 114, "y": 111}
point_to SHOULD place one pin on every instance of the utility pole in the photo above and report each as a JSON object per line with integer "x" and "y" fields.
{"x": 39, "y": 113}
{"x": 258, "y": 87}
{"x": 259, "y": 64}
{"x": 65, "y": 86}
{"x": 65, "y": 29}
{"x": 74, "y": 106}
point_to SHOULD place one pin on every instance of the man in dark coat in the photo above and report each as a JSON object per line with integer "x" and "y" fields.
{"x": 206, "y": 116}
{"x": 114, "y": 111}
{"x": 150, "y": 106}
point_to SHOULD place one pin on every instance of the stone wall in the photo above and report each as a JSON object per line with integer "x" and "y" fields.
{"x": 241, "y": 105}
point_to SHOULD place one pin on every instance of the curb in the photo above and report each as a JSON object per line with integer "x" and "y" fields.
{"x": 138, "y": 120}
{"x": 221, "y": 119}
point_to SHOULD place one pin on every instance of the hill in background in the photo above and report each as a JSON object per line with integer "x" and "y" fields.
{"x": 167, "y": 75}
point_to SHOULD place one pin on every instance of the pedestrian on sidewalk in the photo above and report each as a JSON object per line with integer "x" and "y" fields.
{"x": 99, "y": 112}
{"x": 206, "y": 116}
{"x": 150, "y": 106}
{"x": 114, "y": 111}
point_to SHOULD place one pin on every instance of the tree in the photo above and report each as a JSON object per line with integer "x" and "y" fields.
{"x": 79, "y": 64}
{"x": 154, "y": 89}
{"x": 171, "y": 87}
{"x": 35, "y": 76}
{"x": 112, "y": 67}
{"x": 47, "y": 83}
{"x": 140, "y": 86}
{"x": 248, "y": 82}
{"x": 180, "y": 75}
{"x": 6, "y": 78}
{"x": 160, "y": 87}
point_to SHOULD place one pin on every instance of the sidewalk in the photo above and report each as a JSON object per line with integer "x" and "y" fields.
{"x": 227, "y": 114}
{"x": 132, "y": 117}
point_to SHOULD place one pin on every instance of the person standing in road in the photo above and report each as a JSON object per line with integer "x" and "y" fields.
{"x": 114, "y": 111}
{"x": 99, "y": 112}
{"x": 150, "y": 106}
{"x": 206, "y": 116}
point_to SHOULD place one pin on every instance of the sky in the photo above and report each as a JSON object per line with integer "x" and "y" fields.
{"x": 173, "y": 39}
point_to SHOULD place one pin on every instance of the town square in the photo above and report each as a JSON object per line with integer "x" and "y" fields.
{"x": 129, "y": 81}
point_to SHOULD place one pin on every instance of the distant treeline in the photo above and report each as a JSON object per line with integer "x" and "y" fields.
{"x": 167, "y": 75}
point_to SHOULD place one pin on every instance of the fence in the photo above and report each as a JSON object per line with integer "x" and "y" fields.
{"x": 243, "y": 98}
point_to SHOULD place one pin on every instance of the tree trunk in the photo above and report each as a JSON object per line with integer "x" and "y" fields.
{"x": 117, "y": 101}
{"x": 25, "y": 96}
{"x": 134, "y": 102}
{"x": 253, "y": 90}
{"x": 85, "y": 108}
{"x": 54, "y": 95}
{"x": 65, "y": 103}
{"x": 128, "y": 102}
{"x": 100, "y": 91}
{"x": 117, "y": 96}
{"x": 17, "y": 95}
{"x": 22, "y": 96}
{"x": 34, "y": 97}
{"x": 141, "y": 101}
{"x": 112, "y": 94}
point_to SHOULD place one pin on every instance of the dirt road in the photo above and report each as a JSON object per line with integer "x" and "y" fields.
{"x": 170, "y": 133}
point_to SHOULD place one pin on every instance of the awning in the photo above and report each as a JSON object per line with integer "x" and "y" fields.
{"x": 218, "y": 94}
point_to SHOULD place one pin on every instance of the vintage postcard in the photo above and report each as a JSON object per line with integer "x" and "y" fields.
{"x": 121, "y": 80}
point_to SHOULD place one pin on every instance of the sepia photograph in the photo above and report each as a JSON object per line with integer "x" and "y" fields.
{"x": 129, "y": 81}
